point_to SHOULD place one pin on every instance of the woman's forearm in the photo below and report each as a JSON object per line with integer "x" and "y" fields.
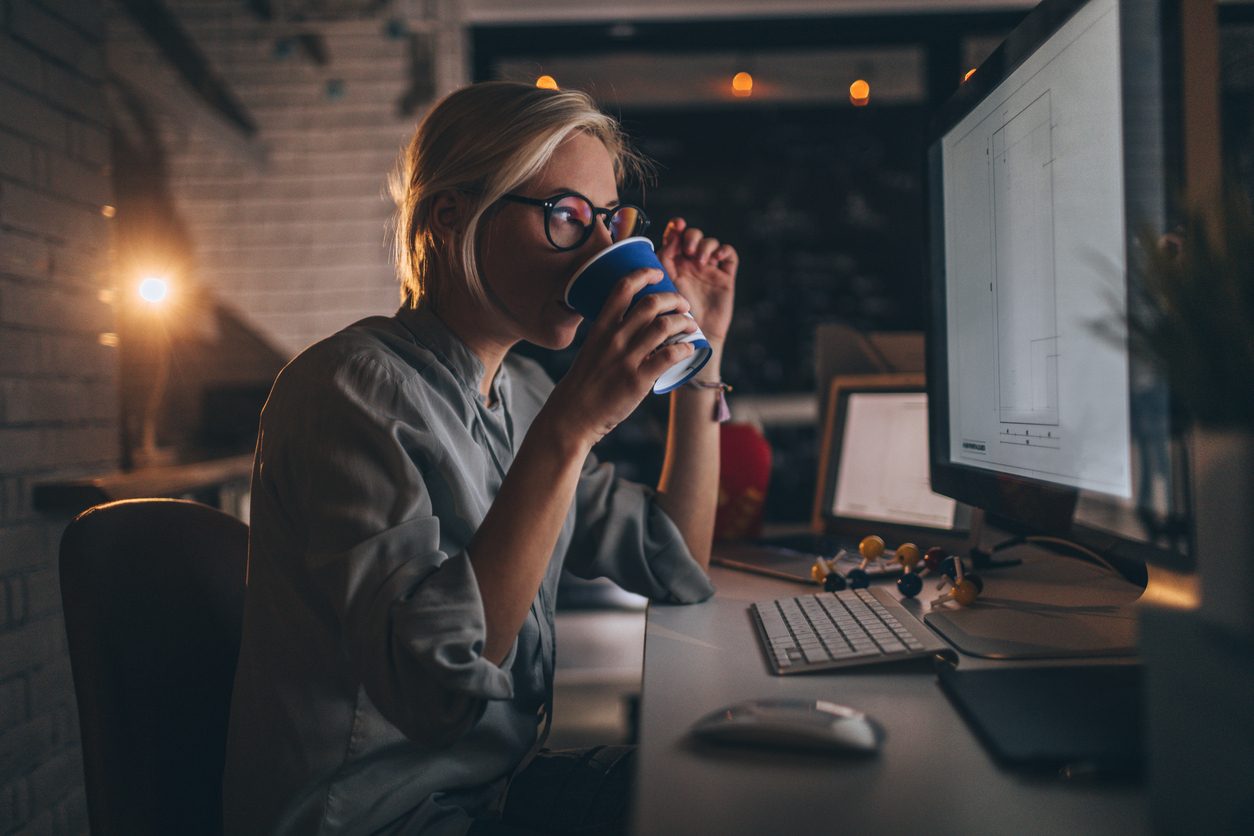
{"x": 511, "y": 550}
{"x": 688, "y": 489}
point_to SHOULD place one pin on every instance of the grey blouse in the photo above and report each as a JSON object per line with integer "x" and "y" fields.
{"x": 362, "y": 702}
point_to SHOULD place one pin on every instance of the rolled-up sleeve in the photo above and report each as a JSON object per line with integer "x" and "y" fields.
{"x": 352, "y": 468}
{"x": 623, "y": 534}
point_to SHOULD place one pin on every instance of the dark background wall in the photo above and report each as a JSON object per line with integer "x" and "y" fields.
{"x": 58, "y": 382}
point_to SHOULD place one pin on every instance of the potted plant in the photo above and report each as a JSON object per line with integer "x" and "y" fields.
{"x": 1192, "y": 315}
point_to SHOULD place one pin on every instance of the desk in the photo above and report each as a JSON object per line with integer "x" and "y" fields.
{"x": 932, "y": 774}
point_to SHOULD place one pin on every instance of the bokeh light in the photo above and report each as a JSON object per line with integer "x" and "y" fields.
{"x": 154, "y": 289}
{"x": 742, "y": 84}
{"x": 546, "y": 82}
{"x": 859, "y": 93}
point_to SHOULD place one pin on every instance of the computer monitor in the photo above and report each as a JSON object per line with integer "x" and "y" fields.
{"x": 1045, "y": 170}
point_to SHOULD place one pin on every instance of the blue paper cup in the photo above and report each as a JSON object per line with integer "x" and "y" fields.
{"x": 591, "y": 285}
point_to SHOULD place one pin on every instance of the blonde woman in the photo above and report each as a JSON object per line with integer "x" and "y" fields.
{"x": 418, "y": 489}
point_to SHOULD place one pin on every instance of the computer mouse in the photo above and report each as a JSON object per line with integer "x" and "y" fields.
{"x": 808, "y": 724}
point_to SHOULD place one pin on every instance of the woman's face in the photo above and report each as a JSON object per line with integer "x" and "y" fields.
{"x": 525, "y": 277}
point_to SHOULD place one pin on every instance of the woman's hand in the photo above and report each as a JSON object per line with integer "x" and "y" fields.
{"x": 704, "y": 271}
{"x": 620, "y": 359}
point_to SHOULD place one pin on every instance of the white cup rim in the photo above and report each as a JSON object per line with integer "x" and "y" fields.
{"x": 599, "y": 254}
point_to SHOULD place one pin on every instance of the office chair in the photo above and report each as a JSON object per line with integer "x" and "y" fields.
{"x": 153, "y": 591}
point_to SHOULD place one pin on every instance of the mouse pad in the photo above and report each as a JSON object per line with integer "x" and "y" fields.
{"x": 1085, "y": 719}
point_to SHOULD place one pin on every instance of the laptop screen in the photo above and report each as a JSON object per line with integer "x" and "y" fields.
{"x": 883, "y": 465}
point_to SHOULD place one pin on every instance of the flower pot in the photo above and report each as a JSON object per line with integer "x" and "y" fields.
{"x": 1223, "y": 509}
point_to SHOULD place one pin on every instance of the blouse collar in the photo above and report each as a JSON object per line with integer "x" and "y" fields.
{"x": 432, "y": 333}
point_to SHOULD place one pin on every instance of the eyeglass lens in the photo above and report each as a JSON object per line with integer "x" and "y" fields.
{"x": 571, "y": 217}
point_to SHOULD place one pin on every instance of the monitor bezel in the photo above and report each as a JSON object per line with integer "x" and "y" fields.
{"x": 1153, "y": 181}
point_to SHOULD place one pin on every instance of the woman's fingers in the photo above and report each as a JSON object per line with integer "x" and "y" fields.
{"x": 706, "y": 249}
{"x": 672, "y": 237}
{"x": 692, "y": 241}
{"x": 620, "y": 297}
{"x": 662, "y": 329}
{"x": 662, "y": 359}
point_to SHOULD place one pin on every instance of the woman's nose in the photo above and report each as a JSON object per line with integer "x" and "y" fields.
{"x": 600, "y": 237}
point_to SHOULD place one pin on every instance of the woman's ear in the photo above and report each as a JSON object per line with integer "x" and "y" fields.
{"x": 447, "y": 210}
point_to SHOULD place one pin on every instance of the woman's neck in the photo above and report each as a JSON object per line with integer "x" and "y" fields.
{"x": 467, "y": 325}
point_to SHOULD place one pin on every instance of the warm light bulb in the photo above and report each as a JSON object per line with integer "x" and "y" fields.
{"x": 968, "y": 74}
{"x": 154, "y": 289}
{"x": 859, "y": 93}
{"x": 546, "y": 82}
{"x": 742, "y": 84}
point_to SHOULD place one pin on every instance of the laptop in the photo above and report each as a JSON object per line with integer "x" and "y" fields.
{"x": 872, "y": 479}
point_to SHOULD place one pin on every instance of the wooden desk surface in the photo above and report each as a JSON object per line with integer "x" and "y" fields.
{"x": 932, "y": 775}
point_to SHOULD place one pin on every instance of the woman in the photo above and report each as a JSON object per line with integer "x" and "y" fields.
{"x": 417, "y": 491}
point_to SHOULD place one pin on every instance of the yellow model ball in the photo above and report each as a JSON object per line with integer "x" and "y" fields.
{"x": 964, "y": 592}
{"x": 871, "y": 547}
{"x": 908, "y": 555}
{"x": 818, "y": 572}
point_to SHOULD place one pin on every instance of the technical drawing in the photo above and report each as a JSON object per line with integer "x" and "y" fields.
{"x": 1024, "y": 296}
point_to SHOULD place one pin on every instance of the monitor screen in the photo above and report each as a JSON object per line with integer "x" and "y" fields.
{"x": 883, "y": 472}
{"x": 1034, "y": 254}
{"x": 1043, "y": 173}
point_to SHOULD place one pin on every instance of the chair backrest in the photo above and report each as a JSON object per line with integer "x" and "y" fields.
{"x": 153, "y": 591}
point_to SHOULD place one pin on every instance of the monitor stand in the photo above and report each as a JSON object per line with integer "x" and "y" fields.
{"x": 1048, "y": 608}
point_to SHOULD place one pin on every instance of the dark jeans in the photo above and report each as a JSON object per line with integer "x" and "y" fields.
{"x": 569, "y": 791}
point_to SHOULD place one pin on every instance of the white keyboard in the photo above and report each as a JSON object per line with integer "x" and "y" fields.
{"x": 841, "y": 629}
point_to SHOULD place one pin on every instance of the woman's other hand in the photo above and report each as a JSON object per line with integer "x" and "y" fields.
{"x": 620, "y": 359}
{"x": 704, "y": 271}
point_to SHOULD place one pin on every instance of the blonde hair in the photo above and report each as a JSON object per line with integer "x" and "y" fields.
{"x": 485, "y": 140}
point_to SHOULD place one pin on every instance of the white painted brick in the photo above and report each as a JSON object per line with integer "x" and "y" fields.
{"x": 42, "y": 448}
{"x": 53, "y": 308}
{"x": 50, "y": 35}
{"x": 290, "y": 231}
{"x": 23, "y": 254}
{"x": 19, "y": 352}
{"x": 299, "y": 243}
{"x": 16, "y": 158}
{"x": 69, "y": 90}
{"x": 14, "y": 706}
{"x": 85, "y": 15}
{"x": 26, "y": 745}
{"x": 27, "y": 115}
{"x": 80, "y": 356}
{"x": 22, "y": 545}
{"x": 79, "y": 181}
{"x": 20, "y": 65}
{"x": 88, "y": 142}
{"x": 82, "y": 264}
{"x": 43, "y": 400}
{"x": 42, "y": 594}
{"x": 29, "y": 210}
{"x": 26, "y": 353}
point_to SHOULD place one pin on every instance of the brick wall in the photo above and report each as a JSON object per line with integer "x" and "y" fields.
{"x": 58, "y": 382}
{"x": 289, "y": 228}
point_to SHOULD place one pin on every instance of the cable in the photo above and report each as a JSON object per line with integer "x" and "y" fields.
{"x": 1070, "y": 545}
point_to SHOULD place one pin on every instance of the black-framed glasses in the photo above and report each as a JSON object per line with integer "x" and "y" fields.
{"x": 568, "y": 218}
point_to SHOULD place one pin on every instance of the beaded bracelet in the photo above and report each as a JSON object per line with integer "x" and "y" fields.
{"x": 721, "y": 412}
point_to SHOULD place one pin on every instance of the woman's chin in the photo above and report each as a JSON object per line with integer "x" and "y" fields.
{"x": 557, "y": 339}
{"x": 562, "y": 333}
